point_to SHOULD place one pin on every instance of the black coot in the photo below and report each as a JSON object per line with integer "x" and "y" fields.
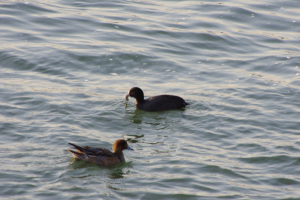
{"x": 155, "y": 103}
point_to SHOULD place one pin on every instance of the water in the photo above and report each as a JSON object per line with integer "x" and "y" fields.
{"x": 67, "y": 65}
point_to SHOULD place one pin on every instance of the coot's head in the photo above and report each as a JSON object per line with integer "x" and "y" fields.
{"x": 135, "y": 92}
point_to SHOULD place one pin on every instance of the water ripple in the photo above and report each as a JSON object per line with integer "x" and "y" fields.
{"x": 66, "y": 66}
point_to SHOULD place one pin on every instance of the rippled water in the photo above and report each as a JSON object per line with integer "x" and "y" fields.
{"x": 67, "y": 65}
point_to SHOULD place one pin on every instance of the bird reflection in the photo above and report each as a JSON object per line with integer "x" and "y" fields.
{"x": 118, "y": 172}
{"x": 115, "y": 172}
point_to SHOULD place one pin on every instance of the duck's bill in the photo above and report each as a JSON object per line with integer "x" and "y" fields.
{"x": 128, "y": 148}
{"x": 126, "y": 97}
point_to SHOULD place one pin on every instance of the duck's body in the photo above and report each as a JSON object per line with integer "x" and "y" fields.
{"x": 156, "y": 103}
{"x": 101, "y": 156}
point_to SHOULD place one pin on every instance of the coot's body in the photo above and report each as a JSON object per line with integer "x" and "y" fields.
{"x": 156, "y": 103}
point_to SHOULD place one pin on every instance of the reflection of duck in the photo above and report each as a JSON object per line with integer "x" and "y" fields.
{"x": 101, "y": 156}
{"x": 155, "y": 103}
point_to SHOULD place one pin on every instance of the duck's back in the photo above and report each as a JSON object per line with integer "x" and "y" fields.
{"x": 98, "y": 156}
{"x": 162, "y": 102}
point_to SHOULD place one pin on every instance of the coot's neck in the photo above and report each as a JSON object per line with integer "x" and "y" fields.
{"x": 140, "y": 99}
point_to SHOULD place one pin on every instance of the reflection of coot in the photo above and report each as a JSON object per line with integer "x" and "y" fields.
{"x": 155, "y": 103}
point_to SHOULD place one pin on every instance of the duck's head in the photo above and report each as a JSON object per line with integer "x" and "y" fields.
{"x": 120, "y": 145}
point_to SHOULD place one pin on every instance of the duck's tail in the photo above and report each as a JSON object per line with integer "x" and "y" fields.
{"x": 79, "y": 148}
{"x": 78, "y": 154}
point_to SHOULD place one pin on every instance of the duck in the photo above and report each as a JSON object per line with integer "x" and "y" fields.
{"x": 155, "y": 103}
{"x": 101, "y": 156}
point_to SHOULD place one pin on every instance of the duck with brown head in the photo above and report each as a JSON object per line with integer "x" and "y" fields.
{"x": 155, "y": 103}
{"x": 101, "y": 156}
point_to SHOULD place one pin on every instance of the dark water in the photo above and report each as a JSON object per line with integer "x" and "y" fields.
{"x": 67, "y": 65}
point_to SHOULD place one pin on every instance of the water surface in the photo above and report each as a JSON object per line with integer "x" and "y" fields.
{"x": 65, "y": 67}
